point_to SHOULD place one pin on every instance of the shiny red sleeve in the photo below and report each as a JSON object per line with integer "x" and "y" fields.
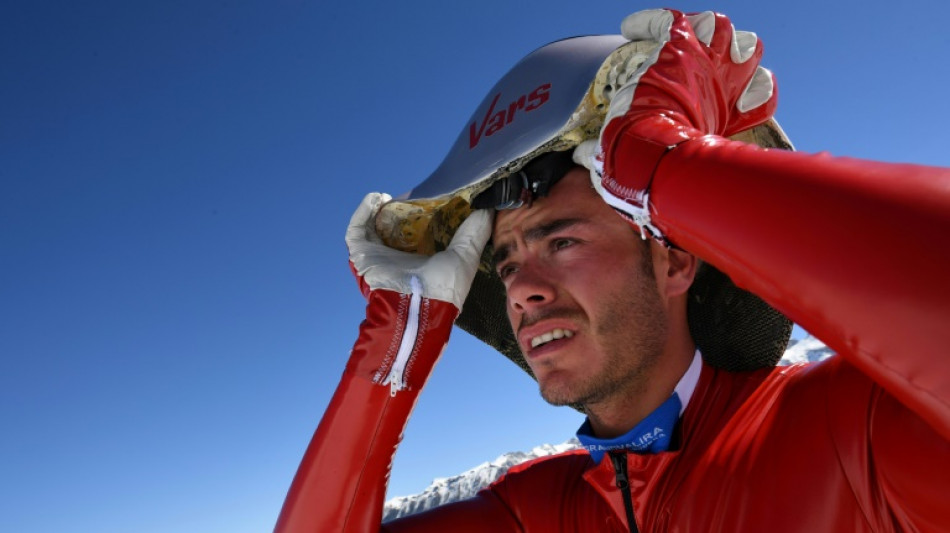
{"x": 912, "y": 466}
{"x": 896, "y": 465}
{"x": 854, "y": 251}
{"x": 340, "y": 485}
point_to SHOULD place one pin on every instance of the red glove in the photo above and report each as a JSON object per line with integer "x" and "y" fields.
{"x": 851, "y": 250}
{"x": 703, "y": 79}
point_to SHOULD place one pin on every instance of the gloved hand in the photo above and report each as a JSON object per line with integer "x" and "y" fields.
{"x": 703, "y": 79}
{"x": 414, "y": 281}
{"x": 445, "y": 276}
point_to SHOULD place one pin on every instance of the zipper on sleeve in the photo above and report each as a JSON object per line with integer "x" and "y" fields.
{"x": 619, "y": 459}
{"x": 397, "y": 377}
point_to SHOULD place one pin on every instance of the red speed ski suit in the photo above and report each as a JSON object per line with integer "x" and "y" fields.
{"x": 860, "y": 442}
{"x": 817, "y": 448}
{"x": 854, "y": 251}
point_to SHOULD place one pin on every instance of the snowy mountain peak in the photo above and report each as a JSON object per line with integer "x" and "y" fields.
{"x": 806, "y": 350}
{"x": 466, "y": 484}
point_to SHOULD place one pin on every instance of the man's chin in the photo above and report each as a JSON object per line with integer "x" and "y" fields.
{"x": 558, "y": 395}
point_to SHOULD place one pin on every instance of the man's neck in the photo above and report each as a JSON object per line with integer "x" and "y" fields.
{"x": 621, "y": 412}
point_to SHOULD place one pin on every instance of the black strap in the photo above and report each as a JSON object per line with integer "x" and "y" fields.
{"x": 533, "y": 181}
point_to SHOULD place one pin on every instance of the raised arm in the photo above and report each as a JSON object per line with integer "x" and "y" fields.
{"x": 412, "y": 302}
{"x": 854, "y": 251}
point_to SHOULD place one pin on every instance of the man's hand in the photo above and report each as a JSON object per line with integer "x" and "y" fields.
{"x": 703, "y": 79}
{"x": 445, "y": 276}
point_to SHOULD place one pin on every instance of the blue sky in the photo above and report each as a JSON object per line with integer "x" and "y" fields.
{"x": 175, "y": 181}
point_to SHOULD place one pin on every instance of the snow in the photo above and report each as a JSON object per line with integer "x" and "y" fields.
{"x": 806, "y": 350}
{"x": 466, "y": 484}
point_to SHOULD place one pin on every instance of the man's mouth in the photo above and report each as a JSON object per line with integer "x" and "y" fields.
{"x": 554, "y": 334}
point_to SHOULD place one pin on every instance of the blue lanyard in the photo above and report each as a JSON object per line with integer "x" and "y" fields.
{"x": 651, "y": 435}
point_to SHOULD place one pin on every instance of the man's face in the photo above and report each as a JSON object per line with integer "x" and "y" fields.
{"x": 582, "y": 298}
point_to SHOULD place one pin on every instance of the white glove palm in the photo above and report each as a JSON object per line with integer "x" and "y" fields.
{"x": 445, "y": 276}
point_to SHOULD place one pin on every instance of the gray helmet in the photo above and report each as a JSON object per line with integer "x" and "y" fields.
{"x": 551, "y": 101}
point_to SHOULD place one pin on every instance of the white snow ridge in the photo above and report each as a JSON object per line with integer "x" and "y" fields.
{"x": 807, "y": 350}
{"x": 466, "y": 484}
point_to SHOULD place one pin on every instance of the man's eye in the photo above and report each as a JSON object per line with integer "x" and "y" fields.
{"x": 558, "y": 244}
{"x": 506, "y": 270}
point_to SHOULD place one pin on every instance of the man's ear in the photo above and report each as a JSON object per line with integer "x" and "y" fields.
{"x": 678, "y": 269}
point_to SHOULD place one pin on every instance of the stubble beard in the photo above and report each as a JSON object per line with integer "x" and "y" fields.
{"x": 632, "y": 329}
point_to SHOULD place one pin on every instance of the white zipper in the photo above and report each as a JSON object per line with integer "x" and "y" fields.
{"x": 397, "y": 376}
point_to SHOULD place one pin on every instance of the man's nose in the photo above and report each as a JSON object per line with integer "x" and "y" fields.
{"x": 530, "y": 288}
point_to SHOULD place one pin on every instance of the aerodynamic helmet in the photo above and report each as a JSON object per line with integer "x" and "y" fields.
{"x": 548, "y": 103}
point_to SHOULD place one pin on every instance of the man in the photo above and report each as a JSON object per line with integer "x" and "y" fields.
{"x": 613, "y": 340}
{"x": 603, "y": 320}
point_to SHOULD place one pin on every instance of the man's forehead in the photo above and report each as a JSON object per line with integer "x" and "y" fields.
{"x": 541, "y": 221}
